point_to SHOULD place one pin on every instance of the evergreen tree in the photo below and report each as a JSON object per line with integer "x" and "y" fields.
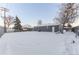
{"x": 17, "y": 25}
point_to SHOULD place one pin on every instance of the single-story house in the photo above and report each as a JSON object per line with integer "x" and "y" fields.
{"x": 74, "y": 29}
{"x": 46, "y": 27}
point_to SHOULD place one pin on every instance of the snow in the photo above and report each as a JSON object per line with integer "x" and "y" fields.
{"x": 39, "y": 43}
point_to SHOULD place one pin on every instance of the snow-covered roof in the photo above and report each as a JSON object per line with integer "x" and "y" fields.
{"x": 48, "y": 24}
{"x": 26, "y": 26}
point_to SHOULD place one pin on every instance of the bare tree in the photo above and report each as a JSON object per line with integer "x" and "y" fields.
{"x": 9, "y": 21}
{"x": 68, "y": 13}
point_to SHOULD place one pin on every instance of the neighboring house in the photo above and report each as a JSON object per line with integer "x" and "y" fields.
{"x": 68, "y": 27}
{"x": 47, "y": 28}
{"x": 1, "y": 31}
{"x": 10, "y": 30}
{"x": 75, "y": 25}
{"x": 27, "y": 28}
{"x": 74, "y": 29}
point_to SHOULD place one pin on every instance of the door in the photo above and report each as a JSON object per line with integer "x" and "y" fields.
{"x": 52, "y": 29}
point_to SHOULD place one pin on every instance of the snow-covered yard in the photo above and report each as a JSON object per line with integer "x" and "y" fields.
{"x": 39, "y": 43}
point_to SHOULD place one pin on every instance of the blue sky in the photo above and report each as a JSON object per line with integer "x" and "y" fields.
{"x": 30, "y": 13}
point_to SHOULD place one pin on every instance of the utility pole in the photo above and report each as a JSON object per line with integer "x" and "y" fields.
{"x": 4, "y": 10}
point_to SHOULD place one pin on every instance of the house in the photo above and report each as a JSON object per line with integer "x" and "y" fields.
{"x": 27, "y": 27}
{"x": 47, "y": 27}
{"x": 74, "y": 29}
